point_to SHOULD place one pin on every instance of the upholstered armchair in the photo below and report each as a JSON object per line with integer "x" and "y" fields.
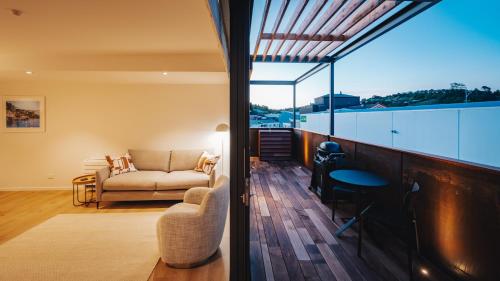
{"x": 189, "y": 233}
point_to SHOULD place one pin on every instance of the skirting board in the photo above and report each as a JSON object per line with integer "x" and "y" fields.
{"x": 33, "y": 188}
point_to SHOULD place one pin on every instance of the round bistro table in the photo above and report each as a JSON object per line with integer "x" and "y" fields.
{"x": 87, "y": 182}
{"x": 360, "y": 182}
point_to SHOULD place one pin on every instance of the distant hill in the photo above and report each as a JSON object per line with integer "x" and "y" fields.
{"x": 257, "y": 109}
{"x": 427, "y": 97}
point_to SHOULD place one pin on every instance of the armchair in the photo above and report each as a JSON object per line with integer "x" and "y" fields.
{"x": 189, "y": 233}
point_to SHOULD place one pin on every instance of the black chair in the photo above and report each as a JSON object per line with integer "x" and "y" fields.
{"x": 400, "y": 223}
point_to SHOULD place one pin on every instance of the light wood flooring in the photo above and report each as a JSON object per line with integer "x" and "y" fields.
{"x": 22, "y": 210}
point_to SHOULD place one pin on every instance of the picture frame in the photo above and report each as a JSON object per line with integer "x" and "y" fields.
{"x": 23, "y": 114}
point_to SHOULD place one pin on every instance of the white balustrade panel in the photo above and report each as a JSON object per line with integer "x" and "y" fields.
{"x": 316, "y": 122}
{"x": 469, "y": 134}
{"x": 345, "y": 125}
{"x": 429, "y": 131}
{"x": 480, "y": 135}
{"x": 374, "y": 127}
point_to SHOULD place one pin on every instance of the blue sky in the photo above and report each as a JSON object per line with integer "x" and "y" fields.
{"x": 454, "y": 41}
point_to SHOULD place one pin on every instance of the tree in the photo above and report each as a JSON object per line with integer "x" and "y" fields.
{"x": 486, "y": 89}
{"x": 458, "y": 86}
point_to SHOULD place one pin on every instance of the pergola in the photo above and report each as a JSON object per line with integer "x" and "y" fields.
{"x": 327, "y": 32}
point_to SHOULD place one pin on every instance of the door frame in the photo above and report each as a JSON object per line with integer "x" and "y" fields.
{"x": 239, "y": 77}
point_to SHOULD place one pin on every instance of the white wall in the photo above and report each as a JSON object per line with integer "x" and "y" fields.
{"x": 90, "y": 120}
{"x": 469, "y": 134}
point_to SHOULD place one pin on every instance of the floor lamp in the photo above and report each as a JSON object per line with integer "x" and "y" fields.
{"x": 222, "y": 128}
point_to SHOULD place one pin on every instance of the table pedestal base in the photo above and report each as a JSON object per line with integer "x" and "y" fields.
{"x": 351, "y": 222}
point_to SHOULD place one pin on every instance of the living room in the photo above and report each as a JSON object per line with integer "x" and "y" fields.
{"x": 101, "y": 78}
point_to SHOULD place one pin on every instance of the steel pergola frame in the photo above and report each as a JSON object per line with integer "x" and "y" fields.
{"x": 341, "y": 21}
{"x": 294, "y": 83}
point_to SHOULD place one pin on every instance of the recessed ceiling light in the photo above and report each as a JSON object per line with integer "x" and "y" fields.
{"x": 424, "y": 271}
{"x": 29, "y": 72}
{"x": 164, "y": 73}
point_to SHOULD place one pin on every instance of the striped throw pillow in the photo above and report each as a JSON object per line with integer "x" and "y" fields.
{"x": 120, "y": 165}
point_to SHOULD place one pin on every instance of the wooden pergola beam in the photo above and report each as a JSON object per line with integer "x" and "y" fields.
{"x": 288, "y": 59}
{"x": 293, "y": 21}
{"x": 277, "y": 23}
{"x": 338, "y": 18}
{"x": 358, "y": 22}
{"x": 305, "y": 24}
{"x": 302, "y": 37}
{"x": 327, "y": 15}
{"x": 261, "y": 30}
{"x": 340, "y": 22}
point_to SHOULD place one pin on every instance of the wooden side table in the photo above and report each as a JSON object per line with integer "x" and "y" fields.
{"x": 88, "y": 183}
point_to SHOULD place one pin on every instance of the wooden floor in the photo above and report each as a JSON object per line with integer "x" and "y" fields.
{"x": 21, "y": 210}
{"x": 292, "y": 233}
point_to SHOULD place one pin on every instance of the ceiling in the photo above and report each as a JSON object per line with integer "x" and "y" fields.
{"x": 129, "y": 38}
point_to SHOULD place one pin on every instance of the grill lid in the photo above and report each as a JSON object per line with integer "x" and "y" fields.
{"x": 330, "y": 147}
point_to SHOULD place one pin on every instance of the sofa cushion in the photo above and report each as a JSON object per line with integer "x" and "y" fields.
{"x": 182, "y": 160}
{"x": 150, "y": 160}
{"x": 182, "y": 180}
{"x": 134, "y": 181}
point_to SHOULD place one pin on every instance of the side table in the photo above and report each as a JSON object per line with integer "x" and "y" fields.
{"x": 87, "y": 182}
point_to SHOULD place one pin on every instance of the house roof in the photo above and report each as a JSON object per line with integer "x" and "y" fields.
{"x": 426, "y": 107}
{"x": 344, "y": 96}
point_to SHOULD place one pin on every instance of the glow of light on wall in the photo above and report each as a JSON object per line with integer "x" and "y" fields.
{"x": 305, "y": 146}
{"x": 448, "y": 229}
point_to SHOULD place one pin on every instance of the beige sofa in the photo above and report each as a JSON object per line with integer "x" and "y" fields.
{"x": 161, "y": 175}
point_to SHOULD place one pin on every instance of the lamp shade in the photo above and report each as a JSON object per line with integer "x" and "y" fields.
{"x": 222, "y": 127}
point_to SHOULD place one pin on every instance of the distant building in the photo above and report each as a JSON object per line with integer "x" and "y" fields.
{"x": 322, "y": 103}
{"x": 367, "y": 106}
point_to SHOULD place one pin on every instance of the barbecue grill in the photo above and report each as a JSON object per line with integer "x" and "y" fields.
{"x": 326, "y": 159}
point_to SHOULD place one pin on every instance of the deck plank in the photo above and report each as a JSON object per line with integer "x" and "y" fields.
{"x": 296, "y": 232}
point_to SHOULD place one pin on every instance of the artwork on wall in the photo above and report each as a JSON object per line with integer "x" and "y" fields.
{"x": 23, "y": 114}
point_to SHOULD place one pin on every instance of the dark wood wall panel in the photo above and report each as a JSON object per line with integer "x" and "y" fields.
{"x": 348, "y": 147}
{"x": 458, "y": 215}
{"x": 254, "y": 142}
{"x": 387, "y": 163}
{"x": 458, "y": 208}
{"x": 305, "y": 144}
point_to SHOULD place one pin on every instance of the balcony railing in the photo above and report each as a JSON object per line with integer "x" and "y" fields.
{"x": 458, "y": 206}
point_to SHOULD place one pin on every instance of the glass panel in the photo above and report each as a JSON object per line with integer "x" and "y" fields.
{"x": 271, "y": 106}
{"x": 431, "y": 85}
{"x": 313, "y": 102}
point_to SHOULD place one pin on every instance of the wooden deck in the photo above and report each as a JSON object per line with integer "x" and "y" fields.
{"x": 291, "y": 233}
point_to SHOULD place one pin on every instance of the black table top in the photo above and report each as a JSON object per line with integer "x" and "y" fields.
{"x": 359, "y": 178}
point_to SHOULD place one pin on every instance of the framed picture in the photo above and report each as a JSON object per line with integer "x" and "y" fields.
{"x": 23, "y": 114}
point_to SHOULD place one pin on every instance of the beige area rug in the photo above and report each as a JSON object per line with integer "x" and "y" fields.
{"x": 86, "y": 247}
